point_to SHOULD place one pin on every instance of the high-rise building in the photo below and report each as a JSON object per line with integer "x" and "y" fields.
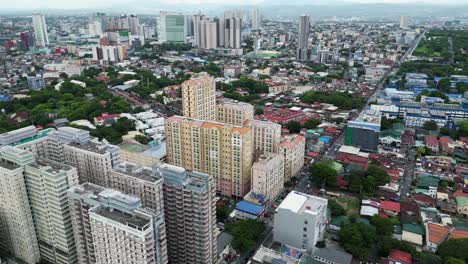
{"x": 232, "y": 32}
{"x": 199, "y": 97}
{"x": 40, "y": 30}
{"x": 172, "y": 28}
{"x": 268, "y": 175}
{"x": 364, "y": 131}
{"x": 234, "y": 113}
{"x": 99, "y": 18}
{"x": 17, "y": 233}
{"x": 404, "y": 21}
{"x": 47, "y": 183}
{"x": 266, "y": 135}
{"x": 223, "y": 151}
{"x": 190, "y": 213}
{"x": 197, "y": 19}
{"x": 209, "y": 35}
{"x": 300, "y": 221}
{"x": 133, "y": 23}
{"x": 303, "y": 38}
{"x": 293, "y": 148}
{"x": 256, "y": 19}
{"x": 111, "y": 227}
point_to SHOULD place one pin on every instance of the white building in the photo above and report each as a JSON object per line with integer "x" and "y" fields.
{"x": 40, "y": 30}
{"x": 268, "y": 175}
{"x": 300, "y": 221}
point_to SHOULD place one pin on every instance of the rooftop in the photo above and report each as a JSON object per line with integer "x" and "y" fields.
{"x": 437, "y": 233}
{"x": 300, "y": 202}
{"x": 250, "y": 208}
{"x": 133, "y": 221}
{"x": 137, "y": 171}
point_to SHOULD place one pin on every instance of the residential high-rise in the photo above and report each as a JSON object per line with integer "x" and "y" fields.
{"x": 197, "y": 19}
{"x": 404, "y": 21}
{"x": 199, "y": 97}
{"x": 300, "y": 221}
{"x": 40, "y": 30}
{"x": 100, "y": 18}
{"x": 223, "y": 151}
{"x": 171, "y": 28}
{"x": 232, "y": 32}
{"x": 266, "y": 135}
{"x": 190, "y": 213}
{"x": 256, "y": 19}
{"x": 364, "y": 131}
{"x": 303, "y": 38}
{"x": 111, "y": 227}
{"x": 17, "y": 233}
{"x": 47, "y": 183}
{"x": 133, "y": 23}
{"x": 293, "y": 148}
{"x": 234, "y": 113}
{"x": 209, "y": 35}
{"x": 268, "y": 175}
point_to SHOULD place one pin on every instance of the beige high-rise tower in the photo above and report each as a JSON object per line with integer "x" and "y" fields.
{"x": 199, "y": 97}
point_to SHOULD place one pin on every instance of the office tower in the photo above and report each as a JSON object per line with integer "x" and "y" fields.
{"x": 256, "y": 19}
{"x": 268, "y": 175}
{"x": 234, "y": 113}
{"x": 47, "y": 183}
{"x": 17, "y": 233}
{"x": 303, "y": 38}
{"x": 40, "y": 30}
{"x": 190, "y": 213}
{"x": 139, "y": 181}
{"x": 364, "y": 131}
{"x": 293, "y": 148}
{"x": 172, "y": 28}
{"x": 133, "y": 24}
{"x": 300, "y": 221}
{"x": 197, "y": 19}
{"x": 189, "y": 25}
{"x": 199, "y": 97}
{"x": 266, "y": 136}
{"x": 404, "y": 21}
{"x": 232, "y": 32}
{"x": 223, "y": 151}
{"x": 111, "y": 227}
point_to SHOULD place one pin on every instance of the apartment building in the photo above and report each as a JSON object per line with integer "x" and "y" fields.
{"x": 199, "y": 97}
{"x": 17, "y": 233}
{"x": 223, "y": 151}
{"x": 47, "y": 183}
{"x": 300, "y": 220}
{"x": 234, "y": 113}
{"x": 139, "y": 181}
{"x": 268, "y": 175}
{"x": 111, "y": 227}
{"x": 267, "y": 136}
{"x": 293, "y": 148}
{"x": 190, "y": 213}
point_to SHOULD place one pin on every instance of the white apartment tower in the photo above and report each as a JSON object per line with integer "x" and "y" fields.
{"x": 303, "y": 38}
{"x": 190, "y": 213}
{"x": 17, "y": 233}
{"x": 40, "y": 30}
{"x": 199, "y": 97}
{"x": 404, "y": 21}
{"x": 256, "y": 19}
{"x": 268, "y": 175}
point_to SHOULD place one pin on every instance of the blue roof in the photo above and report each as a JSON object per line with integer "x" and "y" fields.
{"x": 324, "y": 139}
{"x": 4, "y": 98}
{"x": 249, "y": 208}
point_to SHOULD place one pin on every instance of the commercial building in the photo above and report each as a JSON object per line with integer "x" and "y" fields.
{"x": 171, "y": 28}
{"x": 364, "y": 131}
{"x": 35, "y": 83}
{"x": 223, "y": 151}
{"x": 268, "y": 175}
{"x": 303, "y": 38}
{"x": 234, "y": 113}
{"x": 40, "y": 30}
{"x": 300, "y": 221}
{"x": 190, "y": 213}
{"x": 404, "y": 21}
{"x": 47, "y": 183}
{"x": 199, "y": 97}
{"x": 111, "y": 227}
{"x": 266, "y": 136}
{"x": 139, "y": 181}
{"x": 292, "y": 147}
{"x": 17, "y": 233}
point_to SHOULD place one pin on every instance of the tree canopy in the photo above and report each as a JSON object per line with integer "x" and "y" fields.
{"x": 357, "y": 239}
{"x": 293, "y": 126}
{"x": 430, "y": 125}
{"x": 245, "y": 233}
{"x": 456, "y": 248}
{"x": 323, "y": 174}
{"x": 366, "y": 182}
{"x": 342, "y": 100}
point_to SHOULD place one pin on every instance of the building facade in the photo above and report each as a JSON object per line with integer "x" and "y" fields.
{"x": 292, "y": 147}
{"x": 364, "y": 131}
{"x": 199, "y": 97}
{"x": 303, "y": 38}
{"x": 234, "y": 113}
{"x": 268, "y": 175}
{"x": 172, "y": 28}
{"x": 40, "y": 30}
{"x": 266, "y": 135}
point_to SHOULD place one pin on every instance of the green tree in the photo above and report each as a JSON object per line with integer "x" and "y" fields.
{"x": 428, "y": 258}
{"x": 245, "y": 233}
{"x": 311, "y": 123}
{"x": 366, "y": 182}
{"x": 323, "y": 174}
{"x": 452, "y": 260}
{"x": 336, "y": 208}
{"x": 383, "y": 226}
{"x": 357, "y": 239}
{"x": 293, "y": 126}
{"x": 463, "y": 128}
{"x": 142, "y": 139}
{"x": 259, "y": 111}
{"x": 457, "y": 248}
{"x": 430, "y": 125}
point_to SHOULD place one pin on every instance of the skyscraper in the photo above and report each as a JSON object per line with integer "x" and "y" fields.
{"x": 197, "y": 19}
{"x": 190, "y": 213}
{"x": 171, "y": 28}
{"x": 133, "y": 23}
{"x": 303, "y": 38}
{"x": 267, "y": 136}
{"x": 234, "y": 113}
{"x": 199, "y": 97}
{"x": 404, "y": 22}
{"x": 209, "y": 34}
{"x": 232, "y": 32}
{"x": 17, "y": 233}
{"x": 256, "y": 19}
{"x": 40, "y": 30}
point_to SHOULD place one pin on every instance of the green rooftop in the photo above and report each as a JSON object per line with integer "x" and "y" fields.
{"x": 417, "y": 229}
{"x": 428, "y": 181}
{"x": 40, "y": 134}
{"x": 461, "y": 201}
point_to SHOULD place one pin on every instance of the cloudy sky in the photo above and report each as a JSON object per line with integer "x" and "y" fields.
{"x": 76, "y": 4}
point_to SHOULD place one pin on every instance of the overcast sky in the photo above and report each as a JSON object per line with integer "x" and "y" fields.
{"x": 76, "y": 4}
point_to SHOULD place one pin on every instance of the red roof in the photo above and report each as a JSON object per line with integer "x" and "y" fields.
{"x": 400, "y": 256}
{"x": 390, "y": 206}
{"x": 437, "y": 233}
{"x": 107, "y": 116}
{"x": 431, "y": 140}
{"x": 460, "y": 193}
{"x": 313, "y": 154}
{"x": 352, "y": 159}
{"x": 423, "y": 198}
{"x": 383, "y": 214}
